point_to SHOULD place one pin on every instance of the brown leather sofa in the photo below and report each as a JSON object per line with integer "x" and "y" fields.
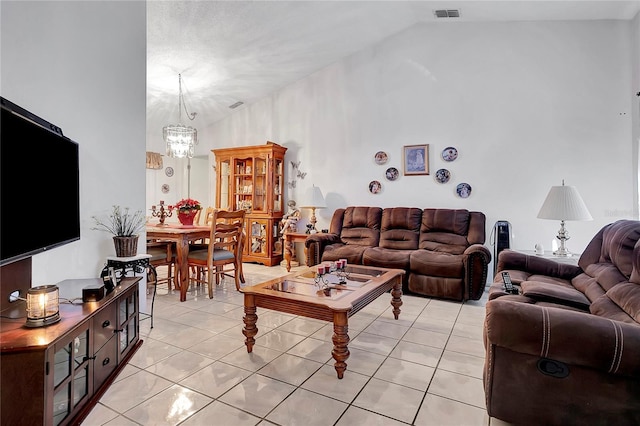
{"x": 566, "y": 349}
{"x": 441, "y": 249}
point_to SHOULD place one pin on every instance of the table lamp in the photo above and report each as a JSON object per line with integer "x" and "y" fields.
{"x": 314, "y": 200}
{"x": 564, "y": 203}
{"x": 43, "y": 306}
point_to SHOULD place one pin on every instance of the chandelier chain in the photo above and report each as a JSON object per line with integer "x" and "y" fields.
{"x": 182, "y": 104}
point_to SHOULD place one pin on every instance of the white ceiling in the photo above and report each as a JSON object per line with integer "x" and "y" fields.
{"x": 229, "y": 51}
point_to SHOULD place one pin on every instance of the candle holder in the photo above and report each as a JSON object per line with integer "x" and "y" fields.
{"x": 321, "y": 282}
{"x": 161, "y": 212}
{"x": 342, "y": 274}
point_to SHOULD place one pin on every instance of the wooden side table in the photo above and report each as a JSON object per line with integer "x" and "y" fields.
{"x": 290, "y": 238}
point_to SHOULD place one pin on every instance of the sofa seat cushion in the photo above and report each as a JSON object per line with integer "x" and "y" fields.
{"x": 606, "y": 308}
{"x": 436, "y": 264}
{"x": 352, "y": 252}
{"x": 627, "y": 297}
{"x": 386, "y": 258}
{"x": 555, "y": 294}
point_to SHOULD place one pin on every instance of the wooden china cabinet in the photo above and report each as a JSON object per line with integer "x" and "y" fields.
{"x": 252, "y": 178}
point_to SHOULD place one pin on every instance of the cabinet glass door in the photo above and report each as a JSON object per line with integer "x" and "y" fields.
{"x": 128, "y": 324}
{"x": 70, "y": 374}
{"x": 243, "y": 184}
{"x": 278, "y": 188}
{"x": 258, "y": 237}
{"x": 260, "y": 185}
{"x": 225, "y": 185}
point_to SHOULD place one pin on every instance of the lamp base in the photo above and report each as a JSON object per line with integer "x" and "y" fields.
{"x": 41, "y": 322}
{"x": 563, "y": 236}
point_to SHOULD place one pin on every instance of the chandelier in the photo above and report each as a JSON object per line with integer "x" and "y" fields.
{"x": 180, "y": 139}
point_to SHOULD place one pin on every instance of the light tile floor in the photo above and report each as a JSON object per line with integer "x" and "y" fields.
{"x": 193, "y": 367}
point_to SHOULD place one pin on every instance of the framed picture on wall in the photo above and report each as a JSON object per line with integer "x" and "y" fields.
{"x": 416, "y": 159}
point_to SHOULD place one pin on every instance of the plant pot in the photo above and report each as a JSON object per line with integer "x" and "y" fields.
{"x": 126, "y": 246}
{"x": 186, "y": 219}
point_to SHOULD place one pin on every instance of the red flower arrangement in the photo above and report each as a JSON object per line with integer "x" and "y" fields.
{"x": 186, "y": 205}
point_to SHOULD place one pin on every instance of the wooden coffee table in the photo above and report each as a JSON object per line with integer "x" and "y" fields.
{"x": 298, "y": 294}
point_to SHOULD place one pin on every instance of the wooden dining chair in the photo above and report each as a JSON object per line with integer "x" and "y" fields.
{"x": 163, "y": 253}
{"x": 224, "y": 250}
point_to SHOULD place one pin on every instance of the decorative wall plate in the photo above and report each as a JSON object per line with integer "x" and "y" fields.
{"x": 443, "y": 176}
{"x": 375, "y": 187}
{"x": 449, "y": 153}
{"x": 165, "y": 188}
{"x": 381, "y": 157}
{"x": 463, "y": 190}
{"x": 168, "y": 171}
{"x": 392, "y": 173}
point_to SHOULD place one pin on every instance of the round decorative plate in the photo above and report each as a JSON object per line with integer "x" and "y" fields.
{"x": 165, "y": 188}
{"x": 168, "y": 171}
{"x": 392, "y": 173}
{"x": 463, "y": 190}
{"x": 381, "y": 157}
{"x": 443, "y": 176}
{"x": 449, "y": 153}
{"x": 375, "y": 186}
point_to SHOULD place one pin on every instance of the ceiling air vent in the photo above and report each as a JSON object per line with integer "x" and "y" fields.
{"x": 236, "y": 105}
{"x": 447, "y": 13}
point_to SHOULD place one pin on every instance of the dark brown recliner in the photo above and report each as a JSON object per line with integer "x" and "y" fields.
{"x": 566, "y": 350}
{"x": 441, "y": 249}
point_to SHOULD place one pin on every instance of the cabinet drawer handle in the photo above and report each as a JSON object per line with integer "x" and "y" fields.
{"x": 106, "y": 361}
{"x": 106, "y": 324}
{"x": 118, "y": 331}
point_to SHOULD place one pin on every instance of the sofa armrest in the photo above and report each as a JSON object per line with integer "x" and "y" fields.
{"x": 571, "y": 337}
{"x": 315, "y": 244}
{"x": 476, "y": 263}
{"x": 536, "y": 265}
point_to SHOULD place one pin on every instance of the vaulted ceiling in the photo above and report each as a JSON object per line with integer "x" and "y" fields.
{"x": 230, "y": 51}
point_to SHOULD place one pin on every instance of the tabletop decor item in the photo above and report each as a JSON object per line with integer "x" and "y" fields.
{"x": 124, "y": 226}
{"x": 161, "y": 213}
{"x": 187, "y": 209}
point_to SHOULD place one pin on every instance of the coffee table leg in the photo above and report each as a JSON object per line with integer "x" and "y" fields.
{"x": 340, "y": 340}
{"x": 396, "y": 297}
{"x": 250, "y": 319}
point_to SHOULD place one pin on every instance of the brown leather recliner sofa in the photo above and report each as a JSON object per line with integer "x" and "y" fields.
{"x": 441, "y": 249}
{"x": 566, "y": 349}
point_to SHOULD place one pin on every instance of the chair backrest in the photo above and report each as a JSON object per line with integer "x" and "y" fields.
{"x": 208, "y": 216}
{"x": 226, "y": 232}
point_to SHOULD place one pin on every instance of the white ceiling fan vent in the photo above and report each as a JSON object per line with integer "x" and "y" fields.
{"x": 447, "y": 13}
{"x": 236, "y": 105}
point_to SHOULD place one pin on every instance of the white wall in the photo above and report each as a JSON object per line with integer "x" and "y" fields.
{"x": 82, "y": 66}
{"x": 526, "y": 104}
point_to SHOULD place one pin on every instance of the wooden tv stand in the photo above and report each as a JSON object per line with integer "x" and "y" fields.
{"x": 54, "y": 375}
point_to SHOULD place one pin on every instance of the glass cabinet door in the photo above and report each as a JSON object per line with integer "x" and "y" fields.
{"x": 128, "y": 322}
{"x": 243, "y": 184}
{"x": 258, "y": 237}
{"x": 260, "y": 185}
{"x": 70, "y": 374}
{"x": 278, "y": 188}
{"x": 225, "y": 185}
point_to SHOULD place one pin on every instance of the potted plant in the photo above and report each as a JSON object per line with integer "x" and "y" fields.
{"x": 187, "y": 209}
{"x": 125, "y": 227}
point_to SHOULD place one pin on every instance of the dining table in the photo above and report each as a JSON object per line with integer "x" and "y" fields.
{"x": 182, "y": 235}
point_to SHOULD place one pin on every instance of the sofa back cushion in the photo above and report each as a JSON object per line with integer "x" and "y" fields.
{"x": 612, "y": 255}
{"x": 448, "y": 229}
{"x": 361, "y": 226}
{"x": 400, "y": 228}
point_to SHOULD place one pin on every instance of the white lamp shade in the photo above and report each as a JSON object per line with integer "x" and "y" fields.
{"x": 564, "y": 203}
{"x": 314, "y": 198}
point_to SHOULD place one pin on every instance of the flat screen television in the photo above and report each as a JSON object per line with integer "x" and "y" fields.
{"x": 39, "y": 185}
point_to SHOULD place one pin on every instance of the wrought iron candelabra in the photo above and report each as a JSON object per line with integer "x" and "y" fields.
{"x": 161, "y": 212}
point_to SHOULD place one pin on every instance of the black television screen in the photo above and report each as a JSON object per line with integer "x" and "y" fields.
{"x": 39, "y": 185}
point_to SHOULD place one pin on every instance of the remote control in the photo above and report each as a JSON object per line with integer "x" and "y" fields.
{"x": 508, "y": 285}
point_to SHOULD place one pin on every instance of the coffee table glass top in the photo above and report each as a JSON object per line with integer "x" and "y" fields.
{"x": 305, "y": 284}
